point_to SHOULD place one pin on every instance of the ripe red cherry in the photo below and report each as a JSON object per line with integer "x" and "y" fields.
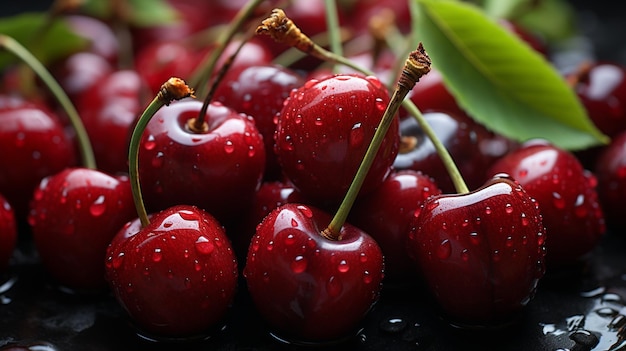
{"x": 38, "y": 146}
{"x": 309, "y": 288}
{"x": 481, "y": 253}
{"x": 177, "y": 276}
{"x": 566, "y": 194}
{"x": 324, "y": 130}
{"x": 218, "y": 170}
{"x": 109, "y": 111}
{"x": 8, "y": 234}
{"x": 472, "y": 146}
{"x": 260, "y": 91}
{"x": 80, "y": 71}
{"x": 386, "y": 213}
{"x": 611, "y": 174}
{"x": 74, "y": 215}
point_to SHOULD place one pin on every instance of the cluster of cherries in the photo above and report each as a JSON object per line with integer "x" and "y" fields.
{"x": 247, "y": 189}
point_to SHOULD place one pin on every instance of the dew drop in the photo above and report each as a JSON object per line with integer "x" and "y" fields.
{"x": 204, "y": 246}
{"x": 98, "y": 207}
{"x": 558, "y": 201}
{"x": 488, "y": 210}
{"x": 318, "y": 121}
{"x": 290, "y": 239}
{"x": 380, "y": 104}
{"x": 298, "y": 265}
{"x": 356, "y": 135}
{"x": 343, "y": 266}
{"x": 150, "y": 143}
{"x": 524, "y": 220}
{"x": 306, "y": 211}
{"x": 367, "y": 277}
{"x": 508, "y": 208}
{"x": 251, "y": 151}
{"x": 294, "y": 223}
{"x": 158, "y": 159}
{"x": 465, "y": 255}
{"x": 157, "y": 255}
{"x": 334, "y": 287}
{"x": 117, "y": 260}
{"x": 229, "y": 147}
{"x": 474, "y": 238}
{"x": 444, "y": 250}
{"x": 363, "y": 257}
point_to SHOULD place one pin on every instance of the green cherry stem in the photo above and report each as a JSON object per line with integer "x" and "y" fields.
{"x": 279, "y": 27}
{"x": 332, "y": 23}
{"x": 206, "y": 67}
{"x": 417, "y": 65}
{"x": 12, "y": 45}
{"x": 173, "y": 89}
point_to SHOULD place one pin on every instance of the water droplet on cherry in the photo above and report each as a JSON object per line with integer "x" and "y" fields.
{"x": 157, "y": 256}
{"x": 444, "y": 250}
{"x": 299, "y": 264}
{"x": 204, "y": 246}
{"x": 98, "y": 207}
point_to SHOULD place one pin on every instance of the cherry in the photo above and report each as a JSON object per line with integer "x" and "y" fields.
{"x": 307, "y": 287}
{"x": 74, "y": 214}
{"x": 39, "y": 147}
{"x": 473, "y": 147}
{"x": 610, "y": 172}
{"x": 323, "y": 132}
{"x": 80, "y": 71}
{"x": 101, "y": 38}
{"x": 217, "y": 169}
{"x": 566, "y": 194}
{"x": 176, "y": 277}
{"x": 386, "y": 213}
{"x": 260, "y": 91}
{"x": 108, "y": 111}
{"x": 8, "y": 233}
{"x": 481, "y": 253}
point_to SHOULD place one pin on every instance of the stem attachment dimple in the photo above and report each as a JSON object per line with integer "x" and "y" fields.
{"x": 173, "y": 89}
{"x": 416, "y": 65}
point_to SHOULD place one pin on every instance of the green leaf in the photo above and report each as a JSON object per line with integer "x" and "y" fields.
{"x": 47, "y": 44}
{"x": 140, "y": 13}
{"x": 502, "y": 83}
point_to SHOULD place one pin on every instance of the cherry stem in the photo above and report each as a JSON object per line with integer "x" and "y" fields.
{"x": 416, "y": 66}
{"x": 12, "y": 45}
{"x": 283, "y": 30}
{"x": 173, "y": 89}
{"x": 334, "y": 35}
{"x": 206, "y": 67}
{"x": 199, "y": 125}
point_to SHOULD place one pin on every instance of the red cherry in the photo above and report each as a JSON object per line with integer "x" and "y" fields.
{"x": 38, "y": 146}
{"x": 307, "y": 287}
{"x": 218, "y": 170}
{"x": 481, "y": 253}
{"x": 260, "y": 91}
{"x": 324, "y": 130}
{"x": 611, "y": 175}
{"x": 8, "y": 233}
{"x": 108, "y": 111}
{"x": 386, "y": 214}
{"x": 472, "y": 146}
{"x": 74, "y": 214}
{"x": 566, "y": 194}
{"x": 177, "y": 276}
{"x": 79, "y": 72}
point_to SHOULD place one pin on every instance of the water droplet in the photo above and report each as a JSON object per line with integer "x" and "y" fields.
{"x": 367, "y": 277}
{"x": 393, "y": 325}
{"x": 158, "y": 159}
{"x": 150, "y": 143}
{"x": 334, "y": 286}
{"x": 306, "y": 211}
{"x": 287, "y": 143}
{"x": 356, "y": 135}
{"x": 298, "y": 119}
{"x": 318, "y": 121}
{"x": 380, "y": 104}
{"x": 117, "y": 261}
{"x": 508, "y": 208}
{"x": 444, "y": 250}
{"x": 157, "y": 255}
{"x": 98, "y": 207}
{"x": 465, "y": 255}
{"x": 488, "y": 210}
{"x": 290, "y": 239}
{"x": 310, "y": 83}
{"x": 298, "y": 265}
{"x": 204, "y": 246}
{"x": 524, "y": 220}
{"x": 363, "y": 257}
{"x": 343, "y": 266}
{"x": 558, "y": 201}
{"x": 474, "y": 238}
{"x": 251, "y": 151}
{"x": 294, "y": 223}
{"x": 229, "y": 147}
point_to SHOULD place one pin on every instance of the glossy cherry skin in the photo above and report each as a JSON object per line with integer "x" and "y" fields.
{"x": 481, "y": 253}
{"x": 35, "y": 146}
{"x": 471, "y": 145}
{"x": 177, "y": 276}
{"x": 610, "y": 172}
{"x": 109, "y": 111}
{"x": 386, "y": 213}
{"x": 74, "y": 215}
{"x": 309, "y": 288}
{"x": 80, "y": 71}
{"x": 566, "y": 194}
{"x": 8, "y": 233}
{"x": 218, "y": 171}
{"x": 260, "y": 91}
{"x": 323, "y": 131}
